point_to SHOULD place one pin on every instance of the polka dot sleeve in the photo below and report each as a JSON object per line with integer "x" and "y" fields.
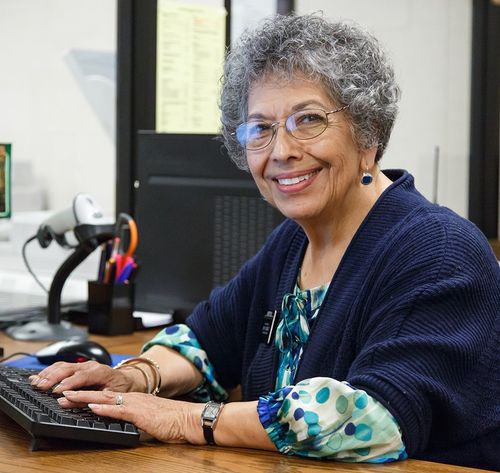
{"x": 182, "y": 339}
{"x": 326, "y": 418}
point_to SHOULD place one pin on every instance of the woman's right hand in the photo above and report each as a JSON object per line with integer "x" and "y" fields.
{"x": 62, "y": 376}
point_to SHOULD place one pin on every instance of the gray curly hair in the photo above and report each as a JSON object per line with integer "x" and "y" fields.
{"x": 345, "y": 59}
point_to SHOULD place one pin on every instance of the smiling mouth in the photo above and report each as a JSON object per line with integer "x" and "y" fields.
{"x": 295, "y": 180}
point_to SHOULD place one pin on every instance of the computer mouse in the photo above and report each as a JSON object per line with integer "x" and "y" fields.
{"x": 73, "y": 351}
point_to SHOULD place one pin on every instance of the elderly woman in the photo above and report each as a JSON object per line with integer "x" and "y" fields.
{"x": 366, "y": 328}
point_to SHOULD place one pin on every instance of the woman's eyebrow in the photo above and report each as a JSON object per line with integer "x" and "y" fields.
{"x": 307, "y": 103}
{"x": 256, "y": 116}
{"x": 298, "y": 106}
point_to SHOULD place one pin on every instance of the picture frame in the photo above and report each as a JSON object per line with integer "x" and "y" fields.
{"x": 5, "y": 184}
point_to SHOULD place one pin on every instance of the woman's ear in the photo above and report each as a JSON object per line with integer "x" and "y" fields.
{"x": 367, "y": 161}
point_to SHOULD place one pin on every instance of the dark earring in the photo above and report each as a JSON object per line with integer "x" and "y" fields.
{"x": 366, "y": 178}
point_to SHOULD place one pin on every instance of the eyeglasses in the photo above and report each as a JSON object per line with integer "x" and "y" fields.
{"x": 302, "y": 125}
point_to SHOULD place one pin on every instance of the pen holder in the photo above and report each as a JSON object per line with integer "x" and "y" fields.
{"x": 110, "y": 308}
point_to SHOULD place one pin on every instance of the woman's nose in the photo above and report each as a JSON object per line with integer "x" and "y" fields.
{"x": 284, "y": 146}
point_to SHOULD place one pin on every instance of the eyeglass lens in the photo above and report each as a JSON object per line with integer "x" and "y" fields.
{"x": 303, "y": 125}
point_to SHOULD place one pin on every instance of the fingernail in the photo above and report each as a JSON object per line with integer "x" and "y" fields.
{"x": 68, "y": 393}
{"x": 63, "y": 401}
{"x": 57, "y": 388}
{"x": 95, "y": 407}
{"x": 35, "y": 379}
{"x": 43, "y": 381}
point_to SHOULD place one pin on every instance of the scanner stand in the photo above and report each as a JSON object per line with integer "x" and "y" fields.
{"x": 89, "y": 237}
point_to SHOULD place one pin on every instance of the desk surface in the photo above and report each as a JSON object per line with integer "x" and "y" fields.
{"x": 16, "y": 456}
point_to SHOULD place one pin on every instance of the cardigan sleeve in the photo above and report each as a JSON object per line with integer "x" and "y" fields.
{"x": 220, "y": 331}
{"x": 324, "y": 418}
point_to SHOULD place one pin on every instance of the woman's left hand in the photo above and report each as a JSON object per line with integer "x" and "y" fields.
{"x": 164, "y": 419}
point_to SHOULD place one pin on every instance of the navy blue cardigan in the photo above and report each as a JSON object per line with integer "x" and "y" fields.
{"x": 411, "y": 317}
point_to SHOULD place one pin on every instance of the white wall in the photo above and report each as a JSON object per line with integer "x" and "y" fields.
{"x": 43, "y": 111}
{"x": 429, "y": 42}
{"x": 247, "y": 13}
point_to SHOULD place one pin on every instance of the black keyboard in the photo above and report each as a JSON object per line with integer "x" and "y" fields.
{"x": 39, "y": 414}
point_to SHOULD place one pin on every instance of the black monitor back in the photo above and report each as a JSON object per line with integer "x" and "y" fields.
{"x": 199, "y": 217}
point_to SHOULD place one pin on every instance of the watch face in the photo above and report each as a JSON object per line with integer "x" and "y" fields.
{"x": 211, "y": 411}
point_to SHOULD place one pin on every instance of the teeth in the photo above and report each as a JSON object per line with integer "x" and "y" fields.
{"x": 296, "y": 180}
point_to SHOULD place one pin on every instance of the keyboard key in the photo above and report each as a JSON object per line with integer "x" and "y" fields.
{"x": 130, "y": 428}
{"x": 41, "y": 417}
{"x": 99, "y": 425}
{"x": 67, "y": 421}
{"x": 82, "y": 423}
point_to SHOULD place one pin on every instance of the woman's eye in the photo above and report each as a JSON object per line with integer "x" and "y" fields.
{"x": 308, "y": 118}
{"x": 258, "y": 129}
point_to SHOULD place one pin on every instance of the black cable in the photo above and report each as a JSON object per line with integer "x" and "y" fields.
{"x": 19, "y": 353}
{"x": 29, "y": 240}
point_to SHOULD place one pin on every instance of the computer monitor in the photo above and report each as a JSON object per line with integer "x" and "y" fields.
{"x": 199, "y": 219}
{"x": 5, "y": 192}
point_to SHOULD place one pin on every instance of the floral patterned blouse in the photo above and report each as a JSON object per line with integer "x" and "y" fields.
{"x": 317, "y": 417}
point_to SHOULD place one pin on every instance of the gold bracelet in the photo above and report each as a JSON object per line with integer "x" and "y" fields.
{"x": 152, "y": 363}
{"x": 143, "y": 372}
{"x": 155, "y": 370}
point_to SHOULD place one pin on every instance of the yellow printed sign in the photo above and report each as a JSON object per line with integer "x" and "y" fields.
{"x": 190, "y": 55}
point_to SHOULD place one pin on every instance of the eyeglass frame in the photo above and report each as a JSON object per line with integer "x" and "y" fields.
{"x": 275, "y": 125}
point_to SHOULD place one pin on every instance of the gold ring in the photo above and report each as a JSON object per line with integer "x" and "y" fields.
{"x": 119, "y": 400}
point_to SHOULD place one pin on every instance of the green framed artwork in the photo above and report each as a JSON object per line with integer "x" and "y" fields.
{"x": 5, "y": 192}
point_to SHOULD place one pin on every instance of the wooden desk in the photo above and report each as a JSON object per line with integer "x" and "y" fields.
{"x": 495, "y": 244}
{"x": 16, "y": 457}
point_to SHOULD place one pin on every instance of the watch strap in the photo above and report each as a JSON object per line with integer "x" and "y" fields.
{"x": 208, "y": 433}
{"x": 208, "y": 423}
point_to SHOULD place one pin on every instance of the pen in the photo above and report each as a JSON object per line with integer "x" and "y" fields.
{"x": 119, "y": 262}
{"x": 133, "y": 238}
{"x": 110, "y": 271}
{"x": 102, "y": 263}
{"x": 125, "y": 273}
{"x": 116, "y": 247}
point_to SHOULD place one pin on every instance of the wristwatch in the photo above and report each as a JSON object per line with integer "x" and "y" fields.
{"x": 209, "y": 418}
